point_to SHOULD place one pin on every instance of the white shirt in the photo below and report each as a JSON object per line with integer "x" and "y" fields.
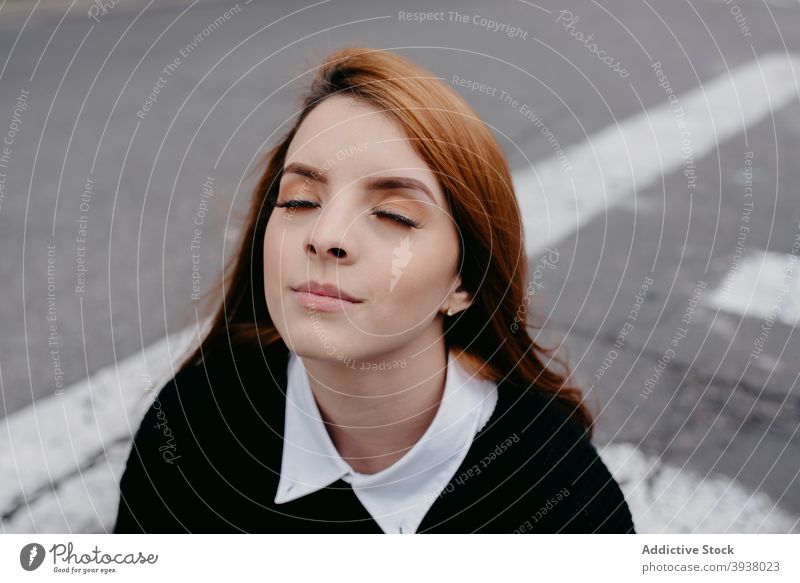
{"x": 397, "y": 497}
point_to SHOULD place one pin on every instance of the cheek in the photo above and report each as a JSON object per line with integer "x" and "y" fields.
{"x": 273, "y": 279}
{"x": 417, "y": 276}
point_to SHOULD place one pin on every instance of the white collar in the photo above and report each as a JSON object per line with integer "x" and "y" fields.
{"x": 397, "y": 497}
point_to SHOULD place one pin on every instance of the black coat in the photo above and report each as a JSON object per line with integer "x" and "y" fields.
{"x": 207, "y": 459}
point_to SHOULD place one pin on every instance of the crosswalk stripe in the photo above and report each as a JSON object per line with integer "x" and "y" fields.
{"x": 622, "y": 159}
{"x": 51, "y": 440}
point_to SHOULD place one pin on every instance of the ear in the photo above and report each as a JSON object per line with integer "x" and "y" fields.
{"x": 458, "y": 300}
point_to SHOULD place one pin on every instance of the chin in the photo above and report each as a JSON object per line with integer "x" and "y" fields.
{"x": 312, "y": 340}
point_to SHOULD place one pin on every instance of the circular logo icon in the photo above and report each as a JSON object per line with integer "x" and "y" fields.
{"x": 31, "y": 556}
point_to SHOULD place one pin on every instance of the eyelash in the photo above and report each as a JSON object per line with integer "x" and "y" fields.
{"x": 400, "y": 219}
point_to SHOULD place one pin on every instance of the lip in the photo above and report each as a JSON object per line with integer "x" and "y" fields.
{"x": 324, "y": 297}
{"x": 321, "y": 303}
{"x": 325, "y": 289}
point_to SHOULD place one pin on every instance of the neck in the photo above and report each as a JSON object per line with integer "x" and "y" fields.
{"x": 374, "y": 416}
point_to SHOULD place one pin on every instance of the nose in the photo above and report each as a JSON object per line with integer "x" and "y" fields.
{"x": 331, "y": 236}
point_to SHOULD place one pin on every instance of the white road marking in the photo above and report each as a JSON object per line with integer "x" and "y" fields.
{"x": 616, "y": 162}
{"x": 92, "y": 423}
{"x": 75, "y": 430}
{"x": 763, "y": 286}
{"x": 660, "y": 494}
{"x": 85, "y": 503}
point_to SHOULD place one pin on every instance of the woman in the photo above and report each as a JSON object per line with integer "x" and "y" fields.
{"x": 366, "y": 371}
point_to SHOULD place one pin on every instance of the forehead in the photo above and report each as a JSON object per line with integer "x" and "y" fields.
{"x": 349, "y": 139}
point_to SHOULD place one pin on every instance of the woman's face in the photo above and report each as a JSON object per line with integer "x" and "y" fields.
{"x": 369, "y": 220}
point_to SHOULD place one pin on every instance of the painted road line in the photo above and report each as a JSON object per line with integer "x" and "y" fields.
{"x": 53, "y": 441}
{"x": 615, "y": 163}
{"x": 81, "y": 502}
{"x": 660, "y": 494}
{"x": 761, "y": 285}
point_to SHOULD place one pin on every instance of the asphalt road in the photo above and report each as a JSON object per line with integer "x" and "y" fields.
{"x": 86, "y": 142}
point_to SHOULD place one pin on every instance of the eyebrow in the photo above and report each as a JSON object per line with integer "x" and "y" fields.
{"x": 372, "y": 183}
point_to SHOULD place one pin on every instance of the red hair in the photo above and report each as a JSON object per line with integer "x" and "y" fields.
{"x": 474, "y": 176}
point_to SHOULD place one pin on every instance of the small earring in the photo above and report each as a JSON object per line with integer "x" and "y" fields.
{"x": 450, "y": 311}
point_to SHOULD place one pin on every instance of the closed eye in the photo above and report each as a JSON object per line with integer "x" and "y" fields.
{"x": 295, "y": 204}
{"x": 403, "y": 220}
{"x": 398, "y": 218}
